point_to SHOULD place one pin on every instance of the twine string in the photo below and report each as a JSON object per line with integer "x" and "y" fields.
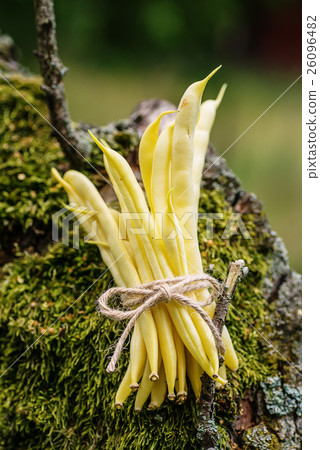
{"x": 144, "y": 297}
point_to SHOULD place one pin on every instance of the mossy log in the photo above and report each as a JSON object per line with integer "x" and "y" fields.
{"x": 57, "y": 394}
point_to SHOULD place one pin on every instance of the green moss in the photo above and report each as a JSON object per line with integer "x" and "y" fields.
{"x": 224, "y": 438}
{"x": 120, "y": 136}
{"x": 58, "y": 394}
{"x": 28, "y": 151}
{"x": 260, "y": 438}
{"x": 249, "y": 310}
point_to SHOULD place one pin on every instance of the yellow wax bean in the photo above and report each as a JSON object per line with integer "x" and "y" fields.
{"x": 207, "y": 116}
{"x": 194, "y": 343}
{"x": 222, "y": 374}
{"x": 182, "y": 395}
{"x": 127, "y": 231}
{"x": 150, "y": 337}
{"x": 160, "y": 187}
{"x": 189, "y": 336}
{"x": 146, "y": 320}
{"x": 131, "y": 198}
{"x": 181, "y": 169}
{"x": 87, "y": 190}
{"x": 173, "y": 240}
{"x": 182, "y": 148}
{"x": 123, "y": 390}
{"x": 160, "y": 181}
{"x": 230, "y": 356}
{"x": 207, "y": 339}
{"x": 119, "y": 221}
{"x": 144, "y": 390}
{"x": 167, "y": 346}
{"x": 194, "y": 372}
{"x": 182, "y": 366}
{"x": 138, "y": 356}
{"x": 146, "y": 151}
{"x": 159, "y": 390}
{"x": 103, "y": 246}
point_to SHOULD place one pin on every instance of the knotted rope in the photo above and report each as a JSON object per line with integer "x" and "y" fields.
{"x": 148, "y": 295}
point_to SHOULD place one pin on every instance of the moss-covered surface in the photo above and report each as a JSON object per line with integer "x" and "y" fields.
{"x": 29, "y": 195}
{"x": 28, "y": 151}
{"x": 260, "y": 438}
{"x": 58, "y": 395}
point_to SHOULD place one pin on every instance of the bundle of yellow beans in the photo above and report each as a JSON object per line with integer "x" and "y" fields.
{"x": 169, "y": 342}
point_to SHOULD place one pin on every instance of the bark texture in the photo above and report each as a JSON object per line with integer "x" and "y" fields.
{"x": 207, "y": 431}
{"x": 75, "y": 145}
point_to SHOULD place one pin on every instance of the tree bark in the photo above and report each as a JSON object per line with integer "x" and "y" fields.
{"x": 207, "y": 431}
{"x": 75, "y": 147}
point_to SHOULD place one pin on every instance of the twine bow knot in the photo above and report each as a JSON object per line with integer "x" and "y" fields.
{"x": 148, "y": 295}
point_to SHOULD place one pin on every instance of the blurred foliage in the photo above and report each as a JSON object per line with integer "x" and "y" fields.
{"x": 104, "y": 30}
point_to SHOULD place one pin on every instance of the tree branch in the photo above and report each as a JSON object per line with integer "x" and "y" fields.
{"x": 207, "y": 432}
{"x": 52, "y": 70}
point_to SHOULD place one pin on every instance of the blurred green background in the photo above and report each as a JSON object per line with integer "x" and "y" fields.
{"x": 121, "y": 52}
